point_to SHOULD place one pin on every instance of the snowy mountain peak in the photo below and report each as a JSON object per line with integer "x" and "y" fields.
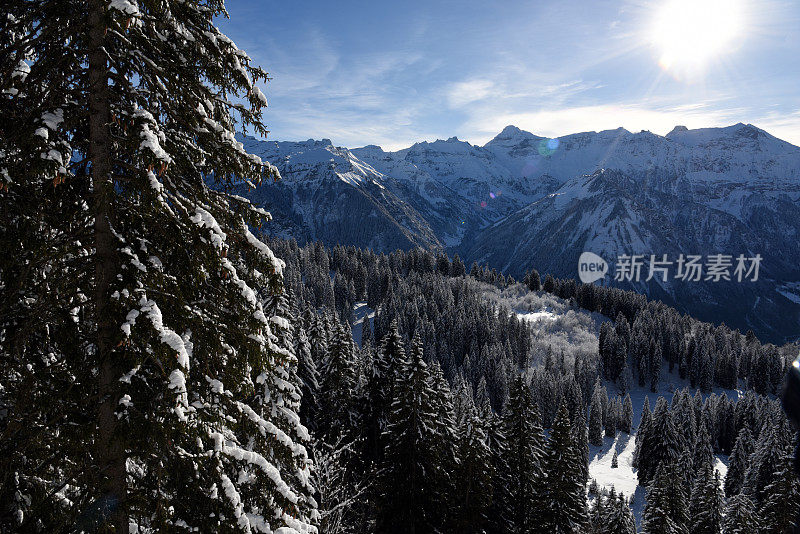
{"x": 511, "y": 135}
{"x": 677, "y": 129}
{"x": 371, "y": 148}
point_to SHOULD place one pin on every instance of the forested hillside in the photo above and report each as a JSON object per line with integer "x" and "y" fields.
{"x": 168, "y": 364}
{"x": 453, "y": 395}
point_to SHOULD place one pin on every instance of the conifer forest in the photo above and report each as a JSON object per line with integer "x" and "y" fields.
{"x": 174, "y": 359}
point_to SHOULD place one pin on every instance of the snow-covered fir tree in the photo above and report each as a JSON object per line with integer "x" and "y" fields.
{"x": 339, "y": 382}
{"x": 520, "y": 485}
{"x": 626, "y": 423}
{"x": 472, "y": 478}
{"x": 741, "y": 516}
{"x": 596, "y": 421}
{"x": 412, "y": 480}
{"x": 616, "y": 516}
{"x": 565, "y": 488}
{"x": 179, "y": 404}
{"x": 666, "y": 505}
{"x": 781, "y": 501}
{"x": 766, "y": 456}
{"x": 706, "y": 503}
{"x": 658, "y": 443}
{"x": 738, "y": 462}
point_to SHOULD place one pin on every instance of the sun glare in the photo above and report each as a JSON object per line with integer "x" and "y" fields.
{"x": 689, "y": 33}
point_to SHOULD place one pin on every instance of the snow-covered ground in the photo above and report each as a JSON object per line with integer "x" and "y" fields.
{"x": 623, "y": 478}
{"x": 361, "y": 312}
{"x": 533, "y": 317}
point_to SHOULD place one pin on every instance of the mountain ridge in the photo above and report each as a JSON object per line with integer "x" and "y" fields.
{"x": 524, "y": 201}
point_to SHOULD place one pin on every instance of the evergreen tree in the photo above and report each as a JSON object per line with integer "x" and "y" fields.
{"x": 389, "y": 361}
{"x": 641, "y": 431}
{"x": 618, "y": 517}
{"x": 781, "y": 502}
{"x": 595, "y": 421}
{"x": 761, "y": 469}
{"x": 705, "y": 507}
{"x": 457, "y": 268}
{"x": 626, "y": 422}
{"x": 738, "y": 463}
{"x": 522, "y": 497}
{"x": 500, "y": 470}
{"x": 318, "y": 333}
{"x": 659, "y": 444}
{"x": 532, "y": 280}
{"x": 566, "y": 499}
{"x": 412, "y": 482}
{"x": 580, "y": 438}
{"x": 597, "y": 512}
{"x": 179, "y": 404}
{"x": 338, "y": 410}
{"x": 612, "y": 416}
{"x": 473, "y": 476}
{"x": 549, "y": 284}
{"x": 366, "y": 332}
{"x": 703, "y": 453}
{"x": 655, "y": 365}
{"x": 741, "y": 516}
{"x": 309, "y": 378}
{"x": 665, "y": 509}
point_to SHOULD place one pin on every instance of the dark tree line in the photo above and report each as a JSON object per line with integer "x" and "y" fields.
{"x": 444, "y": 386}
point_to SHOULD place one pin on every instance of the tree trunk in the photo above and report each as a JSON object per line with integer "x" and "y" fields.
{"x": 110, "y": 446}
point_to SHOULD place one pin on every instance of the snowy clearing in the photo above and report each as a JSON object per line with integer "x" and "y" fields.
{"x": 361, "y": 311}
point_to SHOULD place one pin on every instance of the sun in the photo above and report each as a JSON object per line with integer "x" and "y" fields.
{"x": 688, "y": 34}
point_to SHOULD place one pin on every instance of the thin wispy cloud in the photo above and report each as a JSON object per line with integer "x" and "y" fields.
{"x": 394, "y": 75}
{"x": 461, "y": 93}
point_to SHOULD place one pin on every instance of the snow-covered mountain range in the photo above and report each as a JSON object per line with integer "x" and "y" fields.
{"x": 523, "y": 201}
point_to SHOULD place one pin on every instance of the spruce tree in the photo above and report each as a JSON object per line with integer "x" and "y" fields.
{"x": 412, "y": 483}
{"x": 738, "y": 463}
{"x": 389, "y": 361}
{"x": 597, "y": 512}
{"x": 741, "y": 516}
{"x": 659, "y": 444}
{"x": 179, "y": 403}
{"x": 665, "y": 509}
{"x": 338, "y": 415}
{"x": 705, "y": 506}
{"x": 580, "y": 438}
{"x": 618, "y": 517}
{"x": 781, "y": 501}
{"x": 703, "y": 453}
{"x": 595, "y": 421}
{"x": 473, "y": 475}
{"x": 566, "y": 498}
{"x": 532, "y": 280}
{"x": 626, "y": 423}
{"x": 522, "y": 495}
{"x": 500, "y": 470}
{"x": 761, "y": 469}
{"x": 612, "y": 416}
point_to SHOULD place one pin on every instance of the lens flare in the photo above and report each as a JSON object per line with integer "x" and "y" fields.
{"x": 548, "y": 146}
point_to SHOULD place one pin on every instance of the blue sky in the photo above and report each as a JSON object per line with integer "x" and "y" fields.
{"x": 394, "y": 73}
